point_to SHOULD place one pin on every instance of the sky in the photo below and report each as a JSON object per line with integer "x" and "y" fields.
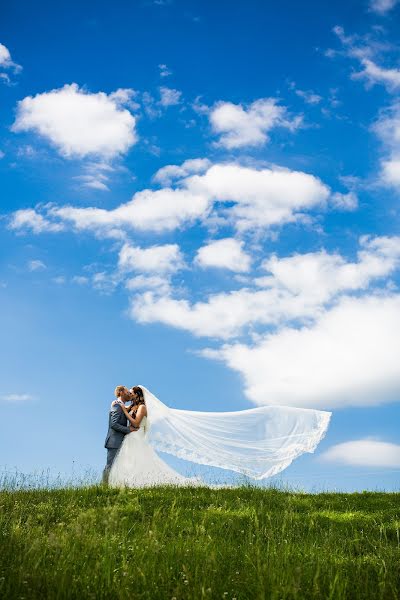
{"x": 203, "y": 198}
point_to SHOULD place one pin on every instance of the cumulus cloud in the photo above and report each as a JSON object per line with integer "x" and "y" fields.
{"x": 166, "y": 175}
{"x": 155, "y": 259}
{"x": 319, "y": 276}
{"x": 79, "y": 123}
{"x": 247, "y": 198}
{"x": 297, "y": 288}
{"x": 240, "y": 126}
{"x": 164, "y": 70}
{"x": 382, "y": 7}
{"x": 7, "y": 64}
{"x": 364, "y": 453}
{"x": 160, "y": 210}
{"x": 169, "y": 96}
{"x": 347, "y": 201}
{"x": 260, "y": 197}
{"x": 227, "y": 253}
{"x": 222, "y": 316}
{"x": 158, "y": 284}
{"x": 30, "y": 219}
{"x": 5, "y": 56}
{"x": 348, "y": 357}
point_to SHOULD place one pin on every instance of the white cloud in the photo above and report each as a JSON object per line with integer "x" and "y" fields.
{"x": 80, "y": 279}
{"x": 249, "y": 126}
{"x": 16, "y": 397}
{"x": 374, "y": 74}
{"x": 96, "y": 175}
{"x": 387, "y": 128}
{"x": 60, "y": 280}
{"x": 94, "y": 182}
{"x": 364, "y": 453}
{"x": 5, "y": 56}
{"x": 223, "y": 315}
{"x": 227, "y": 253}
{"x": 309, "y": 97}
{"x": 158, "y": 284}
{"x": 29, "y": 219}
{"x": 6, "y": 62}
{"x": 261, "y": 197}
{"x": 155, "y": 259}
{"x": 104, "y": 282}
{"x": 347, "y": 201}
{"x": 365, "y": 51}
{"x": 382, "y": 7}
{"x": 246, "y": 198}
{"x": 6, "y": 79}
{"x": 298, "y": 288}
{"x": 318, "y": 276}
{"x": 348, "y": 357}
{"x": 390, "y": 173}
{"x": 2, "y": 154}
{"x": 125, "y": 97}
{"x": 164, "y": 70}
{"x": 160, "y": 210}
{"x": 36, "y": 265}
{"x": 166, "y": 175}
{"x": 169, "y": 96}
{"x": 79, "y": 123}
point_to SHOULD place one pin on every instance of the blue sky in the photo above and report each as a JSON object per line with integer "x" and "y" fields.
{"x": 201, "y": 197}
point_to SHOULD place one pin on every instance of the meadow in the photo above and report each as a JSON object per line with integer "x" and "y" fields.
{"x": 176, "y": 543}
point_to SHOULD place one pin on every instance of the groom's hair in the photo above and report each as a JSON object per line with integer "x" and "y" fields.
{"x": 118, "y": 390}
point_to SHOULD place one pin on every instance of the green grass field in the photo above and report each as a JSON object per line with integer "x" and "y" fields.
{"x": 241, "y": 543}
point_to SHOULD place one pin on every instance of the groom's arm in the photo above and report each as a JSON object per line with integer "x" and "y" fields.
{"x": 115, "y": 414}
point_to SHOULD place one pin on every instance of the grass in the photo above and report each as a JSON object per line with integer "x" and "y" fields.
{"x": 243, "y": 543}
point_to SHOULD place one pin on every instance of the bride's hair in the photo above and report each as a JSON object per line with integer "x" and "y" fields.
{"x": 139, "y": 395}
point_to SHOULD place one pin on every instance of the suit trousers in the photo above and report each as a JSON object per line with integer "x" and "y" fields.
{"x": 111, "y": 454}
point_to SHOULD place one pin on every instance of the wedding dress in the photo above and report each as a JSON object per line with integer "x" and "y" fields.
{"x": 258, "y": 442}
{"x": 138, "y": 465}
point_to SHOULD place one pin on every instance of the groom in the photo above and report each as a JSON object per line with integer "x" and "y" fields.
{"x": 117, "y": 429}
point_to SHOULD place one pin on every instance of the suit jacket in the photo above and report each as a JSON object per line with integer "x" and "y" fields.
{"x": 117, "y": 428}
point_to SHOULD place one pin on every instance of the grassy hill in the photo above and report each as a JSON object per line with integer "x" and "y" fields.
{"x": 243, "y": 543}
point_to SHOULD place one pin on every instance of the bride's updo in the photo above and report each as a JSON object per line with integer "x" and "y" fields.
{"x": 139, "y": 395}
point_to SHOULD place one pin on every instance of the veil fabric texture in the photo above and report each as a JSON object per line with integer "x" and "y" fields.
{"x": 258, "y": 442}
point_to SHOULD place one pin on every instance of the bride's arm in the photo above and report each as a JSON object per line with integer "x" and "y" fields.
{"x": 135, "y": 421}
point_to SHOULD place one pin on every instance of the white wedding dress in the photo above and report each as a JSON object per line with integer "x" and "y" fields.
{"x": 258, "y": 442}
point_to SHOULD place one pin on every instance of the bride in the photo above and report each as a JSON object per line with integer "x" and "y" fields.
{"x": 258, "y": 442}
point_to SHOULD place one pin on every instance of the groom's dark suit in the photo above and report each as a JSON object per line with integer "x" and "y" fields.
{"x": 117, "y": 430}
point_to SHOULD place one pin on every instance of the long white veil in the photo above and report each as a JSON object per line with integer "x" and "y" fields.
{"x": 258, "y": 442}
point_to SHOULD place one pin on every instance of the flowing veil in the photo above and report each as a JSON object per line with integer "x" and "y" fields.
{"x": 258, "y": 442}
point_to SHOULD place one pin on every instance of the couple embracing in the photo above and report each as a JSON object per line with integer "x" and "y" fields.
{"x": 257, "y": 442}
{"x": 131, "y": 460}
{"x": 122, "y": 420}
